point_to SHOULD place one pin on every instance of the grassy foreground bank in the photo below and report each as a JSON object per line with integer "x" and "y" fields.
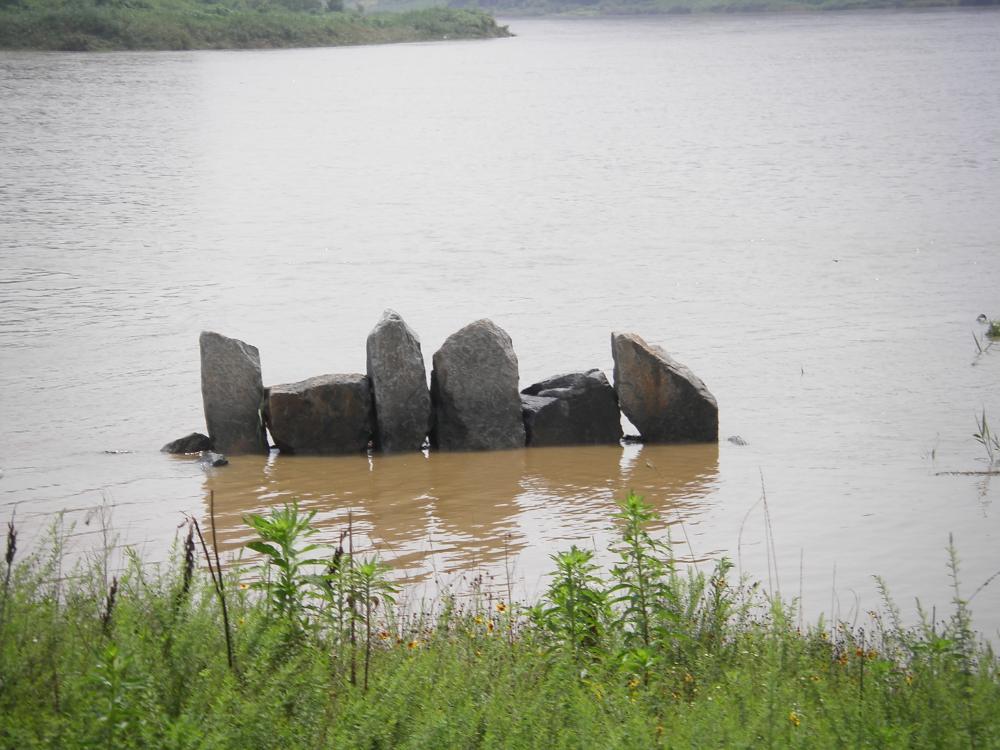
{"x": 315, "y": 652}
{"x": 81, "y": 25}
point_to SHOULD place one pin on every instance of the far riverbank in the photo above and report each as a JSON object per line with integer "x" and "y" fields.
{"x": 195, "y": 25}
{"x": 609, "y": 8}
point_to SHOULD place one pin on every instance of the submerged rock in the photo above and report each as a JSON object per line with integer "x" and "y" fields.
{"x": 736, "y": 440}
{"x": 326, "y": 414}
{"x": 660, "y": 396}
{"x": 579, "y": 408}
{"x": 232, "y": 393}
{"x": 193, "y": 443}
{"x": 209, "y": 458}
{"x": 474, "y": 391}
{"x": 399, "y": 385}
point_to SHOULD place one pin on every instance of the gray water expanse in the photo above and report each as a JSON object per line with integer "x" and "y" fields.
{"x": 804, "y": 209}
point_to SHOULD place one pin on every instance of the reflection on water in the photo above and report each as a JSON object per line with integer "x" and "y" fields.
{"x": 449, "y": 512}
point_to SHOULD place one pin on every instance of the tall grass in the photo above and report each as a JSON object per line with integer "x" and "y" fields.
{"x": 987, "y": 438}
{"x": 662, "y": 656}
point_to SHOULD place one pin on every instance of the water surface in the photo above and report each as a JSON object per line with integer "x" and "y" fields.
{"x": 801, "y": 208}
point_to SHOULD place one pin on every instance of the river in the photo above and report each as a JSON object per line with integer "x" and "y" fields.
{"x": 801, "y": 208}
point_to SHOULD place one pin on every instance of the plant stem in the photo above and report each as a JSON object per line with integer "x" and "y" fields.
{"x": 368, "y": 631}
{"x": 9, "y": 558}
{"x": 350, "y": 595}
{"x": 222, "y": 588}
{"x": 216, "y": 578}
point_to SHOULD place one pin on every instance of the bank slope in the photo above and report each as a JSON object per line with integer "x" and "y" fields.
{"x": 226, "y": 24}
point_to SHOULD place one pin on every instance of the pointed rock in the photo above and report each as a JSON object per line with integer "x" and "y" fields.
{"x": 665, "y": 400}
{"x": 399, "y": 385}
{"x": 579, "y": 408}
{"x": 232, "y": 393}
{"x": 474, "y": 391}
{"x": 327, "y": 414}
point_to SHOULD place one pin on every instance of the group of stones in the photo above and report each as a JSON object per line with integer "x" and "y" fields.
{"x": 472, "y": 404}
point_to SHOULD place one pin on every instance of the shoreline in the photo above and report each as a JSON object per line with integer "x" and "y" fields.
{"x": 565, "y": 13}
{"x": 112, "y": 29}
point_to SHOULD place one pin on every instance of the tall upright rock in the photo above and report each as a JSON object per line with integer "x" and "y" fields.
{"x": 474, "y": 391}
{"x": 399, "y": 385}
{"x": 324, "y": 415}
{"x": 579, "y": 408}
{"x": 232, "y": 393}
{"x": 665, "y": 400}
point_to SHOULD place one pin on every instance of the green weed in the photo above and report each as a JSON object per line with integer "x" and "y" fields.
{"x": 987, "y": 438}
{"x": 652, "y": 653}
{"x": 280, "y": 534}
{"x": 575, "y": 609}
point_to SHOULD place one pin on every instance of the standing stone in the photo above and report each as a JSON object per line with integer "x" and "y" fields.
{"x": 474, "y": 391}
{"x": 399, "y": 385}
{"x": 665, "y": 400}
{"x": 232, "y": 393}
{"x": 579, "y": 408}
{"x": 322, "y": 415}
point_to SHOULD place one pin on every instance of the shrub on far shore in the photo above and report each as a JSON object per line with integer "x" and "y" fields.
{"x": 198, "y": 24}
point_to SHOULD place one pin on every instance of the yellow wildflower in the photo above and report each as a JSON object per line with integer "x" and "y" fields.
{"x": 794, "y": 718}
{"x": 501, "y": 607}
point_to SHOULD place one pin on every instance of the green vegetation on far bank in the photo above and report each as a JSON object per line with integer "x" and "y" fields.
{"x": 317, "y": 649}
{"x": 81, "y": 25}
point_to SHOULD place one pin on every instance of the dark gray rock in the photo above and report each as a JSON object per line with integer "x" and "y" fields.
{"x": 579, "y": 408}
{"x": 208, "y": 458}
{"x": 322, "y": 415}
{"x": 737, "y": 440}
{"x": 193, "y": 443}
{"x": 399, "y": 385}
{"x": 662, "y": 398}
{"x": 474, "y": 391}
{"x": 232, "y": 393}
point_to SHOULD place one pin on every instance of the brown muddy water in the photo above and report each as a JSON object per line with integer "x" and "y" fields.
{"x": 803, "y": 209}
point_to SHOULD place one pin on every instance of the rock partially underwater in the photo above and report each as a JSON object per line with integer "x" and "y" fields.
{"x": 232, "y": 393}
{"x": 396, "y": 369}
{"x": 472, "y": 404}
{"x": 578, "y": 408}
{"x": 664, "y": 400}
{"x": 193, "y": 443}
{"x": 474, "y": 391}
{"x": 327, "y": 414}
